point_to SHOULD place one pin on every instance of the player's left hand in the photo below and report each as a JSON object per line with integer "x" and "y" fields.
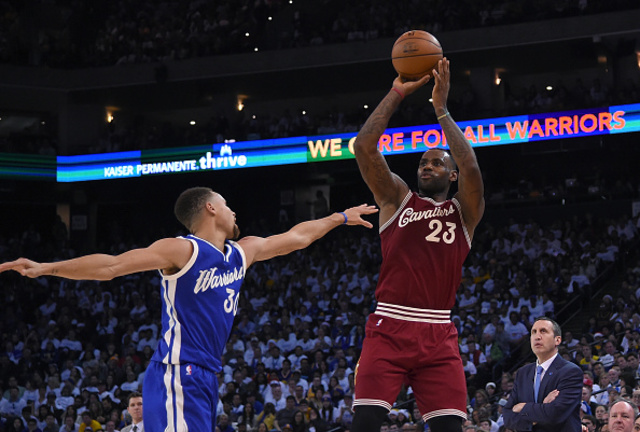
{"x": 354, "y": 215}
{"x": 441, "y": 76}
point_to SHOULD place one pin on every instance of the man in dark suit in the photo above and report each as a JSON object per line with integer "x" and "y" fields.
{"x": 546, "y": 394}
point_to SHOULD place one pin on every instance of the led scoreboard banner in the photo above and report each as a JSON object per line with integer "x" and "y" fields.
{"x": 296, "y": 150}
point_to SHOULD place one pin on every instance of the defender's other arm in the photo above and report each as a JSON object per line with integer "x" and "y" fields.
{"x": 168, "y": 254}
{"x": 302, "y": 234}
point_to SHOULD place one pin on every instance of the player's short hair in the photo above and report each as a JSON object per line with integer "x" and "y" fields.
{"x": 190, "y": 203}
{"x": 557, "y": 331}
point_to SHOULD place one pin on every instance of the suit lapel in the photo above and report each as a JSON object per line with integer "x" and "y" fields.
{"x": 529, "y": 377}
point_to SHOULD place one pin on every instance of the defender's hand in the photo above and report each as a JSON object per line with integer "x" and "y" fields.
{"x": 23, "y": 266}
{"x": 354, "y": 215}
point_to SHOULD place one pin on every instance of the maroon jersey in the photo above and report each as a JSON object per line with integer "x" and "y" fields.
{"x": 424, "y": 245}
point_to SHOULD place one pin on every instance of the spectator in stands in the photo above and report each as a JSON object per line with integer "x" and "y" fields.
{"x": 50, "y": 424}
{"x": 69, "y": 425}
{"x": 88, "y": 422}
{"x": 223, "y": 423}
{"x": 267, "y": 416}
{"x": 602, "y": 416}
{"x": 249, "y": 417}
{"x": 134, "y": 409}
{"x": 13, "y": 405}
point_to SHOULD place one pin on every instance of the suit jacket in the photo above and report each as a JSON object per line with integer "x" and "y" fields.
{"x": 563, "y": 414}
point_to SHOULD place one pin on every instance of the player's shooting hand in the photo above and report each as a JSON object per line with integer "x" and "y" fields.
{"x": 407, "y": 87}
{"x": 23, "y": 266}
{"x": 354, "y": 215}
{"x": 441, "y": 76}
{"x": 551, "y": 396}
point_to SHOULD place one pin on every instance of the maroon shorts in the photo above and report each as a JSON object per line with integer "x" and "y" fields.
{"x": 421, "y": 354}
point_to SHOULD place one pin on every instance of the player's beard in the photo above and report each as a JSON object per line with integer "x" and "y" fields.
{"x": 433, "y": 187}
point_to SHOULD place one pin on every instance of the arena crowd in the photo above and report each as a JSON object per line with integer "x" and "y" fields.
{"x": 72, "y": 351}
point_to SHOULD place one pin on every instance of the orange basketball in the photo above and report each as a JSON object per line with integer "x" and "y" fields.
{"x": 415, "y": 54}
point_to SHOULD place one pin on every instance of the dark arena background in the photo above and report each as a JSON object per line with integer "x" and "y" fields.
{"x": 98, "y": 102}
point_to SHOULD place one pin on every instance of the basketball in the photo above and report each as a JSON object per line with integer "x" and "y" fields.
{"x": 415, "y": 54}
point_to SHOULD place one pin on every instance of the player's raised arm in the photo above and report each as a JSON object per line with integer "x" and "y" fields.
{"x": 470, "y": 186}
{"x": 168, "y": 254}
{"x": 302, "y": 234}
{"x": 388, "y": 189}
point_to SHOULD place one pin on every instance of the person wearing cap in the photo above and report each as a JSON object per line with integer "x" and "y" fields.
{"x": 587, "y": 404}
{"x": 328, "y": 412}
{"x": 275, "y": 396}
{"x": 546, "y": 394}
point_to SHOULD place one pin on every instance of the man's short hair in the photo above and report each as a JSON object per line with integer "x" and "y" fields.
{"x": 631, "y": 404}
{"x": 557, "y": 331}
{"x": 190, "y": 203}
{"x": 132, "y": 395}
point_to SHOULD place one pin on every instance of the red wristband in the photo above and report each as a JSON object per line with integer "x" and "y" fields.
{"x": 397, "y": 91}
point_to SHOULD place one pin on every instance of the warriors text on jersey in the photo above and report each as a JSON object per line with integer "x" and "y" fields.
{"x": 424, "y": 246}
{"x": 199, "y": 304}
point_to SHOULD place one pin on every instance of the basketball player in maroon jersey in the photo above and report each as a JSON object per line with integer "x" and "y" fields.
{"x": 425, "y": 239}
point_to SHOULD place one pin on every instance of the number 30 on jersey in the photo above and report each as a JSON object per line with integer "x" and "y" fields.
{"x": 231, "y": 303}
